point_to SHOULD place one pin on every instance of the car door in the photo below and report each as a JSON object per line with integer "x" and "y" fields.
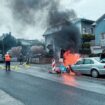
{"x": 77, "y": 66}
{"x": 86, "y": 67}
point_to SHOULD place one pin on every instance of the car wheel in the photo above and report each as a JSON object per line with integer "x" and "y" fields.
{"x": 94, "y": 73}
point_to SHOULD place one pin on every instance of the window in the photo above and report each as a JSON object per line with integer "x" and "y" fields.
{"x": 84, "y": 30}
{"x": 79, "y": 62}
{"x": 102, "y": 61}
{"x": 92, "y": 30}
{"x": 102, "y": 39}
{"x": 88, "y": 61}
{"x": 103, "y": 36}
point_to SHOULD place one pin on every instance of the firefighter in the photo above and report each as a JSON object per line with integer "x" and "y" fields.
{"x": 7, "y": 61}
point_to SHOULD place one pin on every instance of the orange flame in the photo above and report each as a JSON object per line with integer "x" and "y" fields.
{"x": 70, "y": 58}
{"x": 69, "y": 80}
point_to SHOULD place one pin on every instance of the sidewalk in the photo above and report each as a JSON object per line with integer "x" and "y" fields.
{"x": 6, "y": 99}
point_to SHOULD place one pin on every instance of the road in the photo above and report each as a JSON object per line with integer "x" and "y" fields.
{"x": 33, "y": 85}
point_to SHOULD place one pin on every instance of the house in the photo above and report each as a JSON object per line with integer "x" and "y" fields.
{"x": 84, "y": 25}
{"x": 100, "y": 31}
{"x": 62, "y": 37}
{"x": 49, "y": 40}
{"x": 26, "y": 42}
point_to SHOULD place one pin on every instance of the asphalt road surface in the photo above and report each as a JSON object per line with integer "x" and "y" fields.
{"x": 34, "y": 87}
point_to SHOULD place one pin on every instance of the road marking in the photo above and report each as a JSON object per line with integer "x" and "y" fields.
{"x": 15, "y": 67}
{"x": 1, "y": 67}
{"x": 26, "y": 65}
{"x": 6, "y": 99}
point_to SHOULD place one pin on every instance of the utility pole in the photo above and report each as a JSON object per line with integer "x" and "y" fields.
{"x": 3, "y": 46}
{"x": 3, "y": 43}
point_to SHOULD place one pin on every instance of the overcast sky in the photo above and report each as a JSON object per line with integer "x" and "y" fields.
{"x": 89, "y": 9}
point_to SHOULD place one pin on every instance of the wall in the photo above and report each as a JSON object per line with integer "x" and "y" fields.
{"x": 99, "y": 29}
{"x": 78, "y": 25}
{"x": 48, "y": 41}
{"x": 86, "y": 28}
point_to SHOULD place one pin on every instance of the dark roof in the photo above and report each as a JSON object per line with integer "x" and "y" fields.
{"x": 87, "y": 20}
{"x": 52, "y": 30}
{"x": 55, "y": 28}
{"x": 83, "y": 20}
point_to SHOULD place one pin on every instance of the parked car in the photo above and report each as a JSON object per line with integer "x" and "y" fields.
{"x": 92, "y": 66}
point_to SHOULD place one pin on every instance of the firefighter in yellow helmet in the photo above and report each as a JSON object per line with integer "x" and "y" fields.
{"x": 7, "y": 61}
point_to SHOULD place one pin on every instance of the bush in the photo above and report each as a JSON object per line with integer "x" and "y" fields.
{"x": 87, "y": 37}
{"x": 86, "y": 45}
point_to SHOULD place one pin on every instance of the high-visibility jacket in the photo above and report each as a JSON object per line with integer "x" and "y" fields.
{"x": 7, "y": 57}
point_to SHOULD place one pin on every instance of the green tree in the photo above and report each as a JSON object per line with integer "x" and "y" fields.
{"x": 85, "y": 46}
{"x": 8, "y": 42}
{"x": 87, "y": 37}
{"x": 18, "y": 43}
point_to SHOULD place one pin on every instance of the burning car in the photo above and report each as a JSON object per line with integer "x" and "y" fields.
{"x": 92, "y": 66}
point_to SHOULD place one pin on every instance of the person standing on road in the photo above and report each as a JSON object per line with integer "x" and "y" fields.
{"x": 7, "y": 61}
{"x": 21, "y": 59}
{"x": 28, "y": 59}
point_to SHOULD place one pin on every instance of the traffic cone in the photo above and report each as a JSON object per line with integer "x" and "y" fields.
{"x": 53, "y": 65}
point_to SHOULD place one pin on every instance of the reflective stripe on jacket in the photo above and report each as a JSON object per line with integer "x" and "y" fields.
{"x": 7, "y": 57}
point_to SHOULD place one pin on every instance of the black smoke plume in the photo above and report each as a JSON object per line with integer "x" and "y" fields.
{"x": 25, "y": 12}
{"x": 56, "y": 16}
{"x": 68, "y": 38}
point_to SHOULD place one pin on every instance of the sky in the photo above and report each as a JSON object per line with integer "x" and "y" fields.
{"x": 89, "y": 9}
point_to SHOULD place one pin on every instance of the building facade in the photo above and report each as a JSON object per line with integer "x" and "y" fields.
{"x": 100, "y": 31}
{"x": 49, "y": 40}
{"x": 85, "y": 26}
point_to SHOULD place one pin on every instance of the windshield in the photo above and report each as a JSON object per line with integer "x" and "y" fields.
{"x": 97, "y": 58}
{"x": 100, "y": 60}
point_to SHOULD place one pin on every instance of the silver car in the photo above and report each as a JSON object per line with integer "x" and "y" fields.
{"x": 92, "y": 66}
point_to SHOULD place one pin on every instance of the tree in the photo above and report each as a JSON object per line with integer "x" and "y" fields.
{"x": 37, "y": 49}
{"x": 15, "y": 51}
{"x": 1, "y": 46}
{"x": 18, "y": 43}
{"x": 8, "y": 42}
{"x": 87, "y": 37}
{"x": 85, "y": 46}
